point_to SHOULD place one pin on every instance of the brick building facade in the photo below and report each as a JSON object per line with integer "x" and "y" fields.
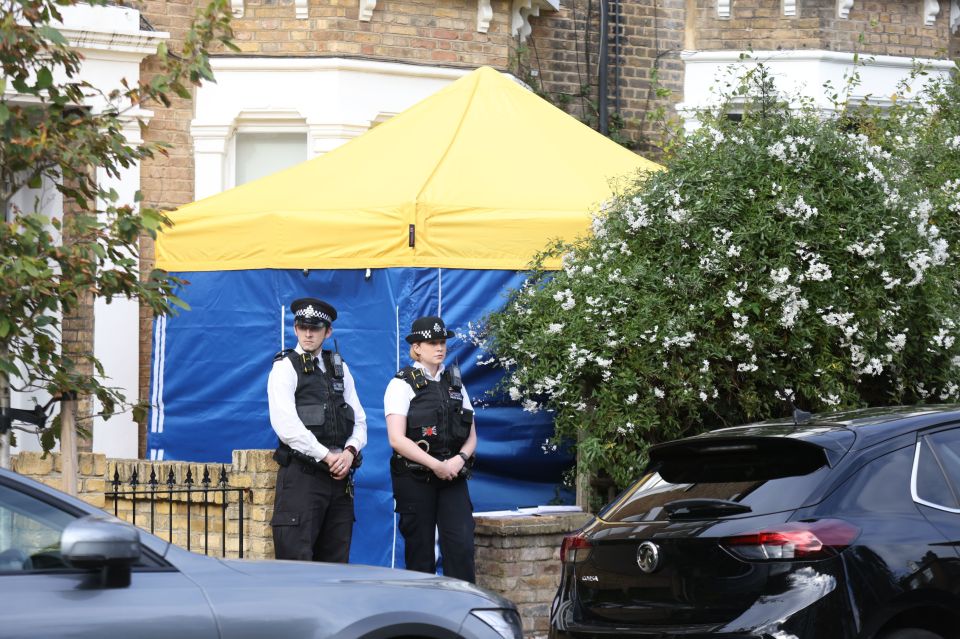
{"x": 553, "y": 47}
{"x": 328, "y": 70}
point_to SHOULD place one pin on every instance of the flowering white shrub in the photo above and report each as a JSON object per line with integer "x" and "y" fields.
{"x": 787, "y": 257}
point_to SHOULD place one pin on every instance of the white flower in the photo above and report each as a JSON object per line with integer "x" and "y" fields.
{"x": 799, "y": 210}
{"x": 568, "y": 304}
{"x": 733, "y": 300}
{"x": 889, "y": 280}
{"x": 830, "y": 400}
{"x": 780, "y": 275}
{"x": 943, "y": 339}
{"x": 874, "y": 247}
{"x": 683, "y": 341}
{"x": 632, "y": 399}
{"x": 744, "y": 339}
{"x": 897, "y": 342}
{"x": 873, "y": 367}
{"x": 514, "y": 393}
{"x": 792, "y": 306}
{"x": 919, "y": 262}
{"x": 554, "y": 328}
{"x": 746, "y": 368}
{"x": 705, "y": 367}
{"x": 626, "y": 429}
{"x": 785, "y": 395}
{"x": 658, "y": 393}
{"x": 818, "y": 271}
{"x": 837, "y": 319}
{"x": 530, "y": 406}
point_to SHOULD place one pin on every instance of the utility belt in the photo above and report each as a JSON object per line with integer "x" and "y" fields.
{"x": 400, "y": 465}
{"x": 284, "y": 455}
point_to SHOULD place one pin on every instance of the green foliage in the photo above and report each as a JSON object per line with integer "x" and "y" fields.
{"x": 59, "y": 131}
{"x": 789, "y": 257}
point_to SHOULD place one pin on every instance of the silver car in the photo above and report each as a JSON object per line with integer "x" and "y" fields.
{"x": 69, "y": 569}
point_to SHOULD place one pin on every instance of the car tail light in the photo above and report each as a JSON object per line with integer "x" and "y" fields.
{"x": 575, "y": 548}
{"x": 797, "y": 541}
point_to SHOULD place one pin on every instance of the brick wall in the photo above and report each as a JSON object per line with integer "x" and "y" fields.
{"x": 92, "y": 473}
{"x": 876, "y": 27}
{"x": 560, "y": 58}
{"x": 519, "y": 557}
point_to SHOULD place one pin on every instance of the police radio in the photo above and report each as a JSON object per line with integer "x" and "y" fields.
{"x": 336, "y": 361}
{"x": 455, "y": 380}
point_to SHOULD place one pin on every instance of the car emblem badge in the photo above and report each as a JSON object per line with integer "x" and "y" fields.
{"x": 648, "y": 556}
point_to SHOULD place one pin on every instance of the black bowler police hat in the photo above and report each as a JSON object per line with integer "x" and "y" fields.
{"x": 428, "y": 328}
{"x": 309, "y": 311}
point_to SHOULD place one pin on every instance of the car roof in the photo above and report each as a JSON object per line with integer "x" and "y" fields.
{"x": 869, "y": 425}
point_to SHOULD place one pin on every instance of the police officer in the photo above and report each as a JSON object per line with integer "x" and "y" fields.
{"x": 432, "y": 432}
{"x": 317, "y": 416}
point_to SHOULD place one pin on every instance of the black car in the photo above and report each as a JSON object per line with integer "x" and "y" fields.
{"x": 836, "y": 526}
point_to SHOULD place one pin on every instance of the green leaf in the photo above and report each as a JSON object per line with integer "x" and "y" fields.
{"x": 44, "y": 78}
{"x": 4, "y": 112}
{"x": 53, "y": 35}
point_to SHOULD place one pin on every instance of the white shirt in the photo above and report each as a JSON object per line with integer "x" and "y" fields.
{"x": 399, "y": 394}
{"x": 281, "y": 386}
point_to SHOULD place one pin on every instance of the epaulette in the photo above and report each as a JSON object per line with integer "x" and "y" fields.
{"x": 282, "y": 354}
{"x": 414, "y": 377}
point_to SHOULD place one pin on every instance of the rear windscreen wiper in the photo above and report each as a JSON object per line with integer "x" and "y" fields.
{"x": 698, "y": 508}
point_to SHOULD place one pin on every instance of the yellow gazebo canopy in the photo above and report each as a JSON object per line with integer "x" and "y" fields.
{"x": 480, "y": 175}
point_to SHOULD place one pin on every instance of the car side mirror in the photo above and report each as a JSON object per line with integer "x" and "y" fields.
{"x": 102, "y": 542}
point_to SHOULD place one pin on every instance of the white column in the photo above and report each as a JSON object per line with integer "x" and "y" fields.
{"x": 209, "y": 158}
{"x": 116, "y": 333}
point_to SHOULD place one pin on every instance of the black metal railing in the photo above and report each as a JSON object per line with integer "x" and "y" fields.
{"x": 190, "y": 494}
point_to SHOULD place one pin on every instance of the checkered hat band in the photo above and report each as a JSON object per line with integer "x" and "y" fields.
{"x": 436, "y": 333}
{"x": 310, "y": 311}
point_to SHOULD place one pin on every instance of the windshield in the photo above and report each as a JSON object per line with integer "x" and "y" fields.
{"x": 767, "y": 477}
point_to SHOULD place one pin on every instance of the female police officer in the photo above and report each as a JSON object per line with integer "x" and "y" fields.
{"x": 433, "y": 435}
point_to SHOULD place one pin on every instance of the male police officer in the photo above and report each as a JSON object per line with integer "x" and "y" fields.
{"x": 315, "y": 412}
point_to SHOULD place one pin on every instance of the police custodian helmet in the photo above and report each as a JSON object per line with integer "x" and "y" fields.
{"x": 309, "y": 311}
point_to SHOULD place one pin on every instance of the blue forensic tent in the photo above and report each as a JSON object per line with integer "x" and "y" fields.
{"x": 436, "y": 211}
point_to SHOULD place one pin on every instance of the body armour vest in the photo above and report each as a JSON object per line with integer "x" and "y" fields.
{"x": 319, "y": 400}
{"x": 436, "y": 415}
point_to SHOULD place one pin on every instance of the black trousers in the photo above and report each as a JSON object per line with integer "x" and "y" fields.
{"x": 426, "y": 505}
{"x": 312, "y": 515}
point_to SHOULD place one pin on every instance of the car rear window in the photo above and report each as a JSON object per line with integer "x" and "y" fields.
{"x": 768, "y": 475}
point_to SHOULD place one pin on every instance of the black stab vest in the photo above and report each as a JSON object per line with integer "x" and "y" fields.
{"x": 320, "y": 403}
{"x": 436, "y": 413}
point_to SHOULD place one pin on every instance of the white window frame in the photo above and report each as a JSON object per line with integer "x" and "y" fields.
{"x": 332, "y": 100}
{"x": 262, "y": 122}
{"x": 800, "y": 75}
